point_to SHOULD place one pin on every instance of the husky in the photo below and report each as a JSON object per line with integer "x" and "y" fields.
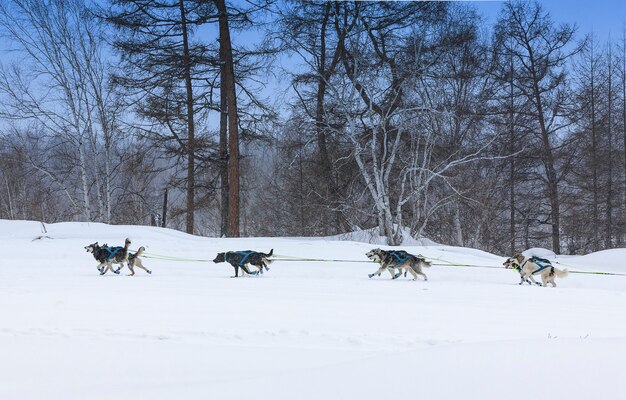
{"x": 241, "y": 259}
{"x": 107, "y": 256}
{"x": 135, "y": 261}
{"x": 398, "y": 260}
{"x": 528, "y": 267}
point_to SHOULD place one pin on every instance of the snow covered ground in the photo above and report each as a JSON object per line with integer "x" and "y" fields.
{"x": 304, "y": 330}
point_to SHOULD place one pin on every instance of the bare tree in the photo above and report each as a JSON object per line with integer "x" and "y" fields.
{"x": 527, "y": 32}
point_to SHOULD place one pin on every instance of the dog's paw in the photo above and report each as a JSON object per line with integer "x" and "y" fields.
{"x": 149, "y": 272}
{"x": 396, "y": 275}
{"x": 370, "y": 275}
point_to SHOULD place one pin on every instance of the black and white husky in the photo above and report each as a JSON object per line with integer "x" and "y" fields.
{"x": 107, "y": 256}
{"x": 398, "y": 260}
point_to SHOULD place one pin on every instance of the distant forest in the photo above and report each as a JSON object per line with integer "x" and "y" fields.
{"x": 292, "y": 118}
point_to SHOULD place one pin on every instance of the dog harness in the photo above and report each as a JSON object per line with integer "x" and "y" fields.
{"x": 112, "y": 251}
{"x": 542, "y": 263}
{"x": 245, "y": 255}
{"x": 400, "y": 257}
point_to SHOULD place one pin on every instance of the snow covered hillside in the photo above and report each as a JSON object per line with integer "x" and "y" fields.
{"x": 304, "y": 330}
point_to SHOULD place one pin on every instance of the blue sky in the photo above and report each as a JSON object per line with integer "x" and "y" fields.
{"x": 603, "y": 17}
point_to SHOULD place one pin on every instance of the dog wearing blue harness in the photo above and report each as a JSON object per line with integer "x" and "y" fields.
{"x": 528, "y": 267}
{"x": 241, "y": 259}
{"x": 107, "y": 256}
{"x": 398, "y": 261}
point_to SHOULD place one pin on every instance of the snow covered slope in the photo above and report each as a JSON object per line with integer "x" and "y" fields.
{"x": 304, "y": 330}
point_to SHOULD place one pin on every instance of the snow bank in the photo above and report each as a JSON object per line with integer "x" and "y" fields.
{"x": 539, "y": 252}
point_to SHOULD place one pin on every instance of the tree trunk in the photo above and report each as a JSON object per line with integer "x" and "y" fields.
{"x": 226, "y": 53}
{"x": 609, "y": 183}
{"x": 323, "y": 75}
{"x": 458, "y": 230}
{"x": 85, "y": 186}
{"x": 164, "y": 211}
{"x": 548, "y": 159}
{"x": 594, "y": 160}
{"x": 190, "y": 123}
{"x": 512, "y": 162}
{"x": 223, "y": 153}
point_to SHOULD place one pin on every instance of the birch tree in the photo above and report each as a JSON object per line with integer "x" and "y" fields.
{"x": 62, "y": 87}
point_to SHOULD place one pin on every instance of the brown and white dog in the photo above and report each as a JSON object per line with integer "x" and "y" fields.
{"x": 528, "y": 267}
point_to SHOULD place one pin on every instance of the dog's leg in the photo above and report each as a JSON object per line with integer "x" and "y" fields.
{"x": 107, "y": 267}
{"x": 381, "y": 269}
{"x": 245, "y": 268}
{"x": 393, "y": 273}
{"x": 415, "y": 272}
{"x": 236, "y": 266}
{"x": 552, "y": 281}
{"x": 132, "y": 270}
{"x": 412, "y": 271}
{"x": 139, "y": 264}
{"x": 259, "y": 268}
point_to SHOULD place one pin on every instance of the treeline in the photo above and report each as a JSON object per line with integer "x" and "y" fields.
{"x": 315, "y": 118}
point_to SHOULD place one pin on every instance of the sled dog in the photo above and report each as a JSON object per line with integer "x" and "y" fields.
{"x": 241, "y": 259}
{"x": 135, "y": 261}
{"x": 528, "y": 267}
{"x": 398, "y": 260}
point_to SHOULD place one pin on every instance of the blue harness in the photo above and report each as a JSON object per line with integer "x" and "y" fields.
{"x": 245, "y": 255}
{"x": 112, "y": 251}
{"x": 400, "y": 257}
{"x": 542, "y": 263}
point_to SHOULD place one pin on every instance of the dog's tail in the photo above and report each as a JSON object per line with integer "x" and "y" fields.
{"x": 265, "y": 257}
{"x": 422, "y": 261}
{"x": 561, "y": 273}
{"x": 140, "y": 251}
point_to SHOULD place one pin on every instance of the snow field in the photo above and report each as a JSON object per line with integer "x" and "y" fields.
{"x": 305, "y": 330}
